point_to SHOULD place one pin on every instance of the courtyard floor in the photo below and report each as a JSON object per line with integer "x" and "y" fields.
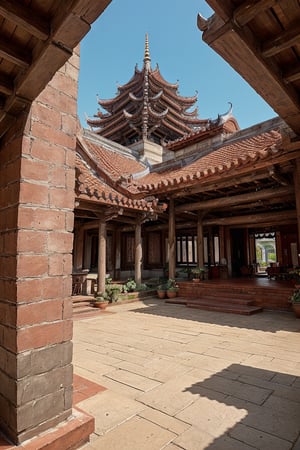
{"x": 168, "y": 377}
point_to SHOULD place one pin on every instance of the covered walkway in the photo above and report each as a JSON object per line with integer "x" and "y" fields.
{"x": 179, "y": 378}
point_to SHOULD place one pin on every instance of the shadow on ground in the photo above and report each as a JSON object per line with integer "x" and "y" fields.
{"x": 245, "y": 407}
{"x": 263, "y": 321}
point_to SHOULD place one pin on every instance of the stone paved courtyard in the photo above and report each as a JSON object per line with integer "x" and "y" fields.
{"x": 179, "y": 378}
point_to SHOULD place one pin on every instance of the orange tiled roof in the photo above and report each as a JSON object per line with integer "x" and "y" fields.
{"x": 233, "y": 155}
{"x": 114, "y": 163}
{"x": 111, "y": 179}
{"x": 92, "y": 187}
{"x": 103, "y": 175}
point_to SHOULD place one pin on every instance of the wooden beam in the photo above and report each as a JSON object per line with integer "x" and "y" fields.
{"x": 224, "y": 202}
{"x": 216, "y": 183}
{"x": 240, "y": 49}
{"x": 101, "y": 256}
{"x": 69, "y": 25}
{"x": 292, "y": 75}
{"x": 26, "y": 18}
{"x": 138, "y": 252}
{"x": 234, "y": 177}
{"x": 172, "y": 239}
{"x": 250, "y": 9}
{"x": 10, "y": 52}
{"x": 283, "y": 217}
{"x": 297, "y": 198}
{"x": 284, "y": 40}
{"x": 6, "y": 85}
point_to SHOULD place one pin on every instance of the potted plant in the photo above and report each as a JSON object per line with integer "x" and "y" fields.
{"x": 198, "y": 273}
{"x": 295, "y": 301}
{"x": 100, "y": 301}
{"x": 295, "y": 274}
{"x": 172, "y": 288}
{"x": 129, "y": 286}
{"x": 161, "y": 290}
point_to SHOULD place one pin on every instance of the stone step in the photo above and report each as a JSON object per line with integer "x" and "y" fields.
{"x": 269, "y": 296}
{"x": 238, "y": 300}
{"x": 220, "y": 306}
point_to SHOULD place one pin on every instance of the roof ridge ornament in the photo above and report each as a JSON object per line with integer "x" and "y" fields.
{"x": 147, "y": 59}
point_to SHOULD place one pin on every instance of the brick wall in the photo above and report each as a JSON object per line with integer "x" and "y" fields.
{"x": 36, "y": 222}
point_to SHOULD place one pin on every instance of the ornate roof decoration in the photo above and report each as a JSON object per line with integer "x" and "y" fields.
{"x": 147, "y": 107}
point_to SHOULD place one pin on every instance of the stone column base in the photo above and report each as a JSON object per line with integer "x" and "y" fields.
{"x": 70, "y": 434}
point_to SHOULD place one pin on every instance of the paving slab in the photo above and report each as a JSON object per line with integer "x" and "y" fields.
{"x": 177, "y": 378}
{"x": 258, "y": 439}
{"x": 218, "y": 417}
{"x": 142, "y": 383}
{"x": 110, "y": 410}
{"x": 197, "y": 439}
{"x": 164, "y": 420}
{"x": 134, "y": 434}
{"x": 172, "y": 396}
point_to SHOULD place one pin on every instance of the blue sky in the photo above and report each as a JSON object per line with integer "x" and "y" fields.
{"x": 116, "y": 44}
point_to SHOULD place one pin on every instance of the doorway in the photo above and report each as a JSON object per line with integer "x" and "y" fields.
{"x": 265, "y": 251}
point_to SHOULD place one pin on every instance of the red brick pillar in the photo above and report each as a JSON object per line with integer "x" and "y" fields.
{"x": 36, "y": 223}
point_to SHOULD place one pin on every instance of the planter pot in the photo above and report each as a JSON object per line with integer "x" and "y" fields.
{"x": 100, "y": 305}
{"x": 296, "y": 309}
{"x": 161, "y": 294}
{"x": 171, "y": 294}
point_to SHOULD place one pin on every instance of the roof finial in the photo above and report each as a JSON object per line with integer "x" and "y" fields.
{"x": 147, "y": 58}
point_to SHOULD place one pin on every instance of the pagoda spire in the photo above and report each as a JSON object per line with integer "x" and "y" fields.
{"x": 147, "y": 59}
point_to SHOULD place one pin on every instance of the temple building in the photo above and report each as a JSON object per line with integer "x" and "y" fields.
{"x": 205, "y": 194}
{"x": 156, "y": 186}
{"x": 149, "y": 113}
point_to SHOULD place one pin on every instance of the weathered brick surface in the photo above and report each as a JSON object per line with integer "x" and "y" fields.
{"x": 36, "y": 221}
{"x": 32, "y": 265}
{"x": 38, "y": 386}
{"x": 39, "y": 361}
{"x": 30, "y": 241}
{"x": 41, "y": 150}
{"x": 41, "y": 218}
{"x": 42, "y": 335}
{"x": 48, "y": 311}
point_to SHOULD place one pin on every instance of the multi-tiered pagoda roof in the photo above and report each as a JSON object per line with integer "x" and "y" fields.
{"x": 147, "y": 108}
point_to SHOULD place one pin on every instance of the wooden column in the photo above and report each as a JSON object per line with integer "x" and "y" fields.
{"x": 200, "y": 249}
{"x": 101, "y": 256}
{"x": 211, "y": 247}
{"x": 117, "y": 237}
{"x": 78, "y": 247}
{"x": 297, "y": 197}
{"x": 138, "y": 253}
{"x": 246, "y": 237}
{"x": 87, "y": 251}
{"x": 172, "y": 239}
{"x": 222, "y": 242}
{"x": 228, "y": 250}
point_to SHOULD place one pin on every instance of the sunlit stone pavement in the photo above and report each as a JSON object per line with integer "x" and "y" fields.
{"x": 180, "y": 378}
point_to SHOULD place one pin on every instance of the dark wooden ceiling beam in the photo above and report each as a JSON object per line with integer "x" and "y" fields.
{"x": 250, "y": 9}
{"x": 26, "y": 18}
{"x": 284, "y": 40}
{"x": 237, "y": 199}
{"x": 11, "y": 52}
{"x": 54, "y": 47}
{"x": 6, "y": 85}
{"x": 254, "y": 219}
{"x": 243, "y": 54}
{"x": 291, "y": 75}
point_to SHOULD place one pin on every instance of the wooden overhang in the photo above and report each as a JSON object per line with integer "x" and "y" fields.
{"x": 255, "y": 193}
{"x": 36, "y": 39}
{"x": 261, "y": 41}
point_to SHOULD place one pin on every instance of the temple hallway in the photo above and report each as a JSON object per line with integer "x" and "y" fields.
{"x": 170, "y": 377}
